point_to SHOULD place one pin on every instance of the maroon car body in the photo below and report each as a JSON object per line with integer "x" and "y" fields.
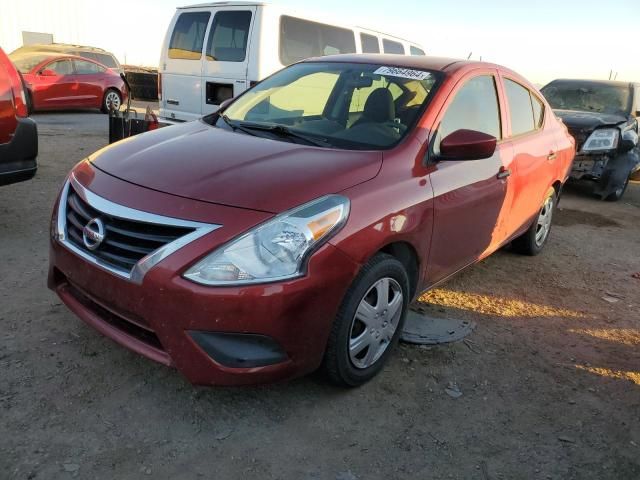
{"x": 18, "y": 133}
{"x": 59, "y": 82}
{"x": 435, "y": 217}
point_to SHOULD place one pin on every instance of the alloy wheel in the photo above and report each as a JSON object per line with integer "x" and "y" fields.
{"x": 375, "y": 322}
{"x": 112, "y": 99}
{"x": 544, "y": 221}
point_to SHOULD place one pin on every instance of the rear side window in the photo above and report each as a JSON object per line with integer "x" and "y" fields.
{"x": 188, "y": 36}
{"x": 87, "y": 68}
{"x": 392, "y": 47}
{"x": 475, "y": 107}
{"x": 369, "y": 43}
{"x": 61, "y": 67}
{"x": 300, "y": 39}
{"x": 526, "y": 110}
{"x": 228, "y": 37}
{"x": 106, "y": 60}
{"x": 417, "y": 51}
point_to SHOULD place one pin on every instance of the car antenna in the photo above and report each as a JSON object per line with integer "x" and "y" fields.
{"x": 468, "y": 57}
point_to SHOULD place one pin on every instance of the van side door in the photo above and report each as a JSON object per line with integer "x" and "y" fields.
{"x": 181, "y": 66}
{"x": 226, "y": 56}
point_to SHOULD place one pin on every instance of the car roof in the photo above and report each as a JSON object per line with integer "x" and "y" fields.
{"x": 421, "y": 62}
{"x": 61, "y": 47}
{"x": 613, "y": 83}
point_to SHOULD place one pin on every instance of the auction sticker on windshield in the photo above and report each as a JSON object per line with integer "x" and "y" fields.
{"x": 403, "y": 73}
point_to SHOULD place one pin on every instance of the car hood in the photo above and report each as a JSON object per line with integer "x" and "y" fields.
{"x": 588, "y": 120}
{"x": 198, "y": 161}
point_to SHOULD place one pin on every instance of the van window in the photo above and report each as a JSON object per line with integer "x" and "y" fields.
{"x": 369, "y": 43}
{"x": 300, "y": 39}
{"x": 188, "y": 36}
{"x": 228, "y": 36}
{"x": 87, "y": 68}
{"x": 417, "y": 51}
{"x": 106, "y": 60}
{"x": 519, "y": 98}
{"x": 392, "y": 47}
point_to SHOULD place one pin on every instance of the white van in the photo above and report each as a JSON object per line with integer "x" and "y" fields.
{"x": 215, "y": 51}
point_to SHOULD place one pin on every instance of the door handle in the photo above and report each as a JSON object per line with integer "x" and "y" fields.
{"x": 503, "y": 173}
{"x": 552, "y": 156}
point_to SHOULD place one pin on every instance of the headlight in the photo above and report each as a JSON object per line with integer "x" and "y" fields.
{"x": 275, "y": 250}
{"x": 602, "y": 139}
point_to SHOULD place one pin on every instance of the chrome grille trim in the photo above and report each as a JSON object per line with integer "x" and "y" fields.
{"x": 140, "y": 269}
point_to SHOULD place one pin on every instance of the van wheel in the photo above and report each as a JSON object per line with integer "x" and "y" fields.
{"x": 369, "y": 322}
{"x": 618, "y": 193}
{"x": 535, "y": 238}
{"x": 112, "y": 98}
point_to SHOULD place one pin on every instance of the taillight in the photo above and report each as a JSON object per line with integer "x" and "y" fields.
{"x": 17, "y": 89}
{"x": 159, "y": 86}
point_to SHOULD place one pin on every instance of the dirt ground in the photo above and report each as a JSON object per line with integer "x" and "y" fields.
{"x": 550, "y": 379}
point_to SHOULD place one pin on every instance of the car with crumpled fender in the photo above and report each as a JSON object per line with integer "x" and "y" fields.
{"x": 603, "y": 118}
{"x": 291, "y": 229}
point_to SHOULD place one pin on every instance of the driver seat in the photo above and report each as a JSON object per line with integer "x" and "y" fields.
{"x": 379, "y": 108}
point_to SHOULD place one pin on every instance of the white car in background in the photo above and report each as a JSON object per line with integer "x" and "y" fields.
{"x": 215, "y": 51}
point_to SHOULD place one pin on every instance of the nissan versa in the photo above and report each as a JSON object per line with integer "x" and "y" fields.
{"x": 292, "y": 229}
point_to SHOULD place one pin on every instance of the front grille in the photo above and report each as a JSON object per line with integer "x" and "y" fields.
{"x": 580, "y": 136}
{"x": 125, "y": 242}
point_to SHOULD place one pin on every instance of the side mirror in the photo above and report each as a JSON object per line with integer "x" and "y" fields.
{"x": 48, "y": 73}
{"x": 467, "y": 145}
{"x": 629, "y": 140}
{"x": 225, "y": 104}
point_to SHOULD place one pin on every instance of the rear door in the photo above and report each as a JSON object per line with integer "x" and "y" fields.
{"x": 226, "y": 55}
{"x": 88, "y": 76}
{"x": 182, "y": 64}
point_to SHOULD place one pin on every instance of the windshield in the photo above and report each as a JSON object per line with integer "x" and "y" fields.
{"x": 25, "y": 63}
{"x": 337, "y": 105}
{"x": 588, "y": 97}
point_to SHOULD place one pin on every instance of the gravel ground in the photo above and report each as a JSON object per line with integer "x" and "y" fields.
{"x": 550, "y": 379}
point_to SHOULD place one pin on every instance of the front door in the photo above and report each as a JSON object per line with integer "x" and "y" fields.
{"x": 54, "y": 86}
{"x": 226, "y": 56}
{"x": 471, "y": 198}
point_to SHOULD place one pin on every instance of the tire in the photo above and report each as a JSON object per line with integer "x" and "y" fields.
{"x": 109, "y": 98}
{"x": 348, "y": 362}
{"x": 535, "y": 238}
{"x": 618, "y": 194}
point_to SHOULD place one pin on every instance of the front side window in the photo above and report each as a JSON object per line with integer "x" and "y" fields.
{"x": 369, "y": 43}
{"x": 229, "y": 36}
{"x": 337, "y": 105}
{"x": 87, "y": 68}
{"x": 392, "y": 47}
{"x": 61, "y": 67}
{"x": 188, "y": 36}
{"x": 475, "y": 107}
{"x": 300, "y": 39}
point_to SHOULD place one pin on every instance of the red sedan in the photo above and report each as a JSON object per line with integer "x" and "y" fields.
{"x": 69, "y": 82}
{"x": 293, "y": 228}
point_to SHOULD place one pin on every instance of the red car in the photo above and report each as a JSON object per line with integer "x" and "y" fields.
{"x": 69, "y": 82}
{"x": 18, "y": 133}
{"x": 293, "y": 228}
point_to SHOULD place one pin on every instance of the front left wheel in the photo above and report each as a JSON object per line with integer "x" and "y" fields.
{"x": 111, "y": 99}
{"x": 369, "y": 322}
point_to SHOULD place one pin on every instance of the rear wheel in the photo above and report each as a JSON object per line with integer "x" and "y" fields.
{"x": 111, "y": 99}
{"x": 368, "y": 323}
{"x": 534, "y": 239}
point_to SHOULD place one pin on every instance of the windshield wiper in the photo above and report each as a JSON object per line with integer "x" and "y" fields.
{"x": 234, "y": 126}
{"x": 280, "y": 130}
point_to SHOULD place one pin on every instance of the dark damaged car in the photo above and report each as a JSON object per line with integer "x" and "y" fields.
{"x": 603, "y": 117}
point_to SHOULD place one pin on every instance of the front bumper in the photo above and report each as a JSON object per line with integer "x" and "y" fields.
{"x": 158, "y": 317}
